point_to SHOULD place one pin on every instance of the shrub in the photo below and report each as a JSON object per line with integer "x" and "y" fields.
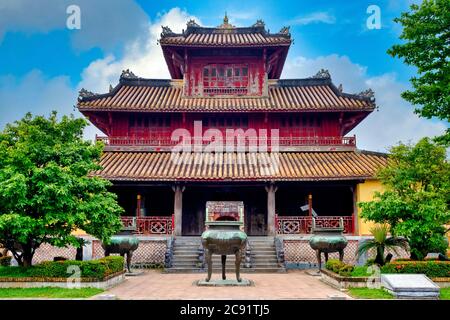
{"x": 432, "y": 268}
{"x": 339, "y": 267}
{"x": 360, "y": 271}
{"x": 5, "y": 261}
{"x": 97, "y": 269}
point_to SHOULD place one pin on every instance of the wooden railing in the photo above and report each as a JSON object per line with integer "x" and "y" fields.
{"x": 302, "y": 224}
{"x": 282, "y": 141}
{"x": 149, "y": 225}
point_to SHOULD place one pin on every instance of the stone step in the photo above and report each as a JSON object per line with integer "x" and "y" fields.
{"x": 184, "y": 251}
{"x": 217, "y": 272}
{"x": 186, "y": 247}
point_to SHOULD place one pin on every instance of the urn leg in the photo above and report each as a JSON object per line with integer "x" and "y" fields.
{"x": 326, "y": 257}
{"x": 238, "y": 265}
{"x": 209, "y": 262}
{"x": 341, "y": 255}
{"x": 319, "y": 258}
{"x": 129, "y": 256}
{"x": 224, "y": 261}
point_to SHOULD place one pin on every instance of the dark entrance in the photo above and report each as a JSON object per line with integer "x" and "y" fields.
{"x": 255, "y": 206}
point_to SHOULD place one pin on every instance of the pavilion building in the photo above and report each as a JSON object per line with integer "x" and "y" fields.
{"x": 286, "y": 155}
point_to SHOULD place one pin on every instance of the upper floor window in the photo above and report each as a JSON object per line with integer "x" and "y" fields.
{"x": 149, "y": 121}
{"x": 223, "y": 79}
{"x": 303, "y": 125}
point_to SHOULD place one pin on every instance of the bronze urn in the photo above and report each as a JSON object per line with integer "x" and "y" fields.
{"x": 327, "y": 240}
{"x": 223, "y": 238}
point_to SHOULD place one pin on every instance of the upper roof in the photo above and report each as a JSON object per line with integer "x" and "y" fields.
{"x": 225, "y": 35}
{"x": 317, "y": 93}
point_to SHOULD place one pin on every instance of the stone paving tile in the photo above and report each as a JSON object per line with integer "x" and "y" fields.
{"x": 154, "y": 284}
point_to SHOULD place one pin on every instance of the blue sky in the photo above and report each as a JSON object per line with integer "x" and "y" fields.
{"x": 43, "y": 64}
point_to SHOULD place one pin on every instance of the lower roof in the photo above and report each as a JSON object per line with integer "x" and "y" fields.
{"x": 236, "y": 166}
{"x": 294, "y": 95}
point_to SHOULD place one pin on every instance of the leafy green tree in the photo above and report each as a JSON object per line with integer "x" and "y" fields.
{"x": 416, "y": 200}
{"x": 45, "y": 188}
{"x": 380, "y": 243}
{"x": 426, "y": 31}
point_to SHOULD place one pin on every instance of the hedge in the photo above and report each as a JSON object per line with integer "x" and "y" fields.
{"x": 432, "y": 269}
{"x": 339, "y": 267}
{"x": 5, "y": 261}
{"x": 97, "y": 269}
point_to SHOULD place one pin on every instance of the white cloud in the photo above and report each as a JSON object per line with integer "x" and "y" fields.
{"x": 142, "y": 55}
{"x": 39, "y": 95}
{"x": 395, "y": 121}
{"x": 104, "y": 23}
{"x": 340, "y": 68}
{"x": 315, "y": 17}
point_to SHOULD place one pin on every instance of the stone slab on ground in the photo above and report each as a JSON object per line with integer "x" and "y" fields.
{"x": 155, "y": 285}
{"x": 134, "y": 273}
{"x": 224, "y": 283}
{"x": 313, "y": 272}
{"x": 410, "y": 286}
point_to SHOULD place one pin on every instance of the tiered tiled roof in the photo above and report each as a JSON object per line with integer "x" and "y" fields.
{"x": 292, "y": 166}
{"x": 311, "y": 94}
{"x": 225, "y": 35}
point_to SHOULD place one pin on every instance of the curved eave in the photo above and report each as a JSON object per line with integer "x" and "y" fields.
{"x": 200, "y": 109}
{"x": 268, "y": 179}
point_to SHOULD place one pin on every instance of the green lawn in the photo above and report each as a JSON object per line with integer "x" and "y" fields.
{"x": 48, "y": 292}
{"x": 365, "y": 293}
{"x": 360, "y": 271}
{"x": 445, "y": 294}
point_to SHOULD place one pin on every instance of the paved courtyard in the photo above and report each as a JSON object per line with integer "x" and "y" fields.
{"x": 291, "y": 285}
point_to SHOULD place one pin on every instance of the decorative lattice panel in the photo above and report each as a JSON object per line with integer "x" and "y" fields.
{"x": 300, "y": 251}
{"x": 149, "y": 251}
{"x": 47, "y": 252}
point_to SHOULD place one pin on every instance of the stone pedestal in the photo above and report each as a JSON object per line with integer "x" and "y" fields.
{"x": 410, "y": 286}
{"x": 224, "y": 283}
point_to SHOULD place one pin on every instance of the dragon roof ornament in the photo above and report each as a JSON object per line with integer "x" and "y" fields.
{"x": 83, "y": 93}
{"x": 369, "y": 93}
{"x": 128, "y": 74}
{"x": 259, "y": 23}
{"x": 284, "y": 30}
{"x": 166, "y": 31}
{"x": 322, "y": 74}
{"x": 192, "y": 23}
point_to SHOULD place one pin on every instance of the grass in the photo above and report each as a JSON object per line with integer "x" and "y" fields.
{"x": 48, "y": 292}
{"x": 366, "y": 293}
{"x": 360, "y": 271}
{"x": 445, "y": 293}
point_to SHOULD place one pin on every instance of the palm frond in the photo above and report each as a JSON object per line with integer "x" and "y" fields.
{"x": 365, "y": 246}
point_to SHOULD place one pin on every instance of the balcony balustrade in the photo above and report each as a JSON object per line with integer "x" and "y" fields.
{"x": 165, "y": 141}
{"x": 302, "y": 224}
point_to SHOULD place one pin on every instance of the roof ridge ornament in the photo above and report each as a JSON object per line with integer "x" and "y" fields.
{"x": 259, "y": 23}
{"x": 322, "y": 74}
{"x": 83, "y": 93}
{"x": 166, "y": 31}
{"x": 192, "y": 23}
{"x": 368, "y": 93}
{"x": 128, "y": 74}
{"x": 285, "y": 30}
{"x": 226, "y": 24}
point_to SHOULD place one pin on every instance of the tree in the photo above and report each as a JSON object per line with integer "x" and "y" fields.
{"x": 416, "y": 201}
{"x": 45, "y": 188}
{"x": 426, "y": 30}
{"x": 380, "y": 243}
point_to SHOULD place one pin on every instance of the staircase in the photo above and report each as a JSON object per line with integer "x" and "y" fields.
{"x": 262, "y": 257}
